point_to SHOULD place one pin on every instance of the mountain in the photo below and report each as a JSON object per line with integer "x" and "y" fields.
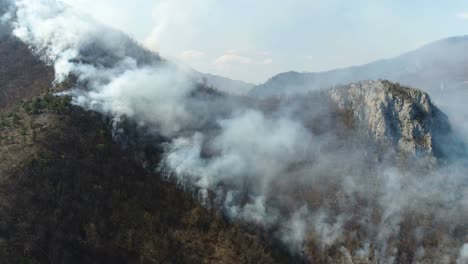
{"x": 398, "y": 116}
{"x": 364, "y": 132}
{"x": 226, "y": 84}
{"x": 70, "y": 194}
{"x": 22, "y": 76}
{"x": 138, "y": 161}
{"x": 221, "y": 83}
{"x": 93, "y": 194}
{"x": 435, "y": 67}
{"x": 81, "y": 198}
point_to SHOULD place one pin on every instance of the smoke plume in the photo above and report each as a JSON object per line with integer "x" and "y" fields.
{"x": 287, "y": 165}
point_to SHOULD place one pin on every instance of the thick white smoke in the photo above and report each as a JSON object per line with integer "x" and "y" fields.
{"x": 463, "y": 258}
{"x": 257, "y": 164}
{"x": 54, "y": 31}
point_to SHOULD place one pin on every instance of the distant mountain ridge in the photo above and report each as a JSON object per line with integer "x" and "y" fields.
{"x": 221, "y": 83}
{"x": 433, "y": 67}
{"x": 227, "y": 85}
{"x": 127, "y": 215}
{"x": 327, "y": 175}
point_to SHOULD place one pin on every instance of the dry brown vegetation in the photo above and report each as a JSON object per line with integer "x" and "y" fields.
{"x": 69, "y": 194}
{"x": 22, "y": 76}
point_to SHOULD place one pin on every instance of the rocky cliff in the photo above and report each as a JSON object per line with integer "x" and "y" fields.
{"x": 70, "y": 194}
{"x": 394, "y": 115}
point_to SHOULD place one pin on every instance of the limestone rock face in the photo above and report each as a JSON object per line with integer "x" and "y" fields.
{"x": 395, "y": 115}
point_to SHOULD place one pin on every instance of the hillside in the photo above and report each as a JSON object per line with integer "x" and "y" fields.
{"x": 69, "y": 194}
{"x": 79, "y": 199}
{"x": 22, "y": 76}
{"x": 434, "y": 67}
{"x": 140, "y": 161}
{"x": 353, "y": 199}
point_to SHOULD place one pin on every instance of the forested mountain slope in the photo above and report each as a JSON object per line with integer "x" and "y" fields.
{"x": 69, "y": 194}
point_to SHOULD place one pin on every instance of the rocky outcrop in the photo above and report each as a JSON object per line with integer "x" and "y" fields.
{"x": 394, "y": 115}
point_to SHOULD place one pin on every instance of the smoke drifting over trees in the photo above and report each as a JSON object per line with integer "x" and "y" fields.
{"x": 302, "y": 167}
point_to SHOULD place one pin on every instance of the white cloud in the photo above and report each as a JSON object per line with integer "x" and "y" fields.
{"x": 463, "y": 15}
{"x": 463, "y": 258}
{"x": 268, "y": 61}
{"x": 192, "y": 54}
{"x": 231, "y": 58}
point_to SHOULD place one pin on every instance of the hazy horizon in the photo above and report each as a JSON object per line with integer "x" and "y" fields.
{"x": 241, "y": 41}
{"x": 111, "y": 152}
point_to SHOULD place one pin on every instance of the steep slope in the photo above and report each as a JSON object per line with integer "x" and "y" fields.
{"x": 21, "y": 75}
{"x": 79, "y": 199}
{"x": 397, "y": 116}
{"x": 367, "y": 197}
{"x": 69, "y": 194}
{"x": 434, "y": 67}
{"x": 326, "y": 173}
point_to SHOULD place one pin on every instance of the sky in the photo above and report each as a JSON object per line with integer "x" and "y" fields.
{"x": 254, "y": 40}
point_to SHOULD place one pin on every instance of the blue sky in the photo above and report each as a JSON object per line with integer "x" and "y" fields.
{"x": 253, "y": 40}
